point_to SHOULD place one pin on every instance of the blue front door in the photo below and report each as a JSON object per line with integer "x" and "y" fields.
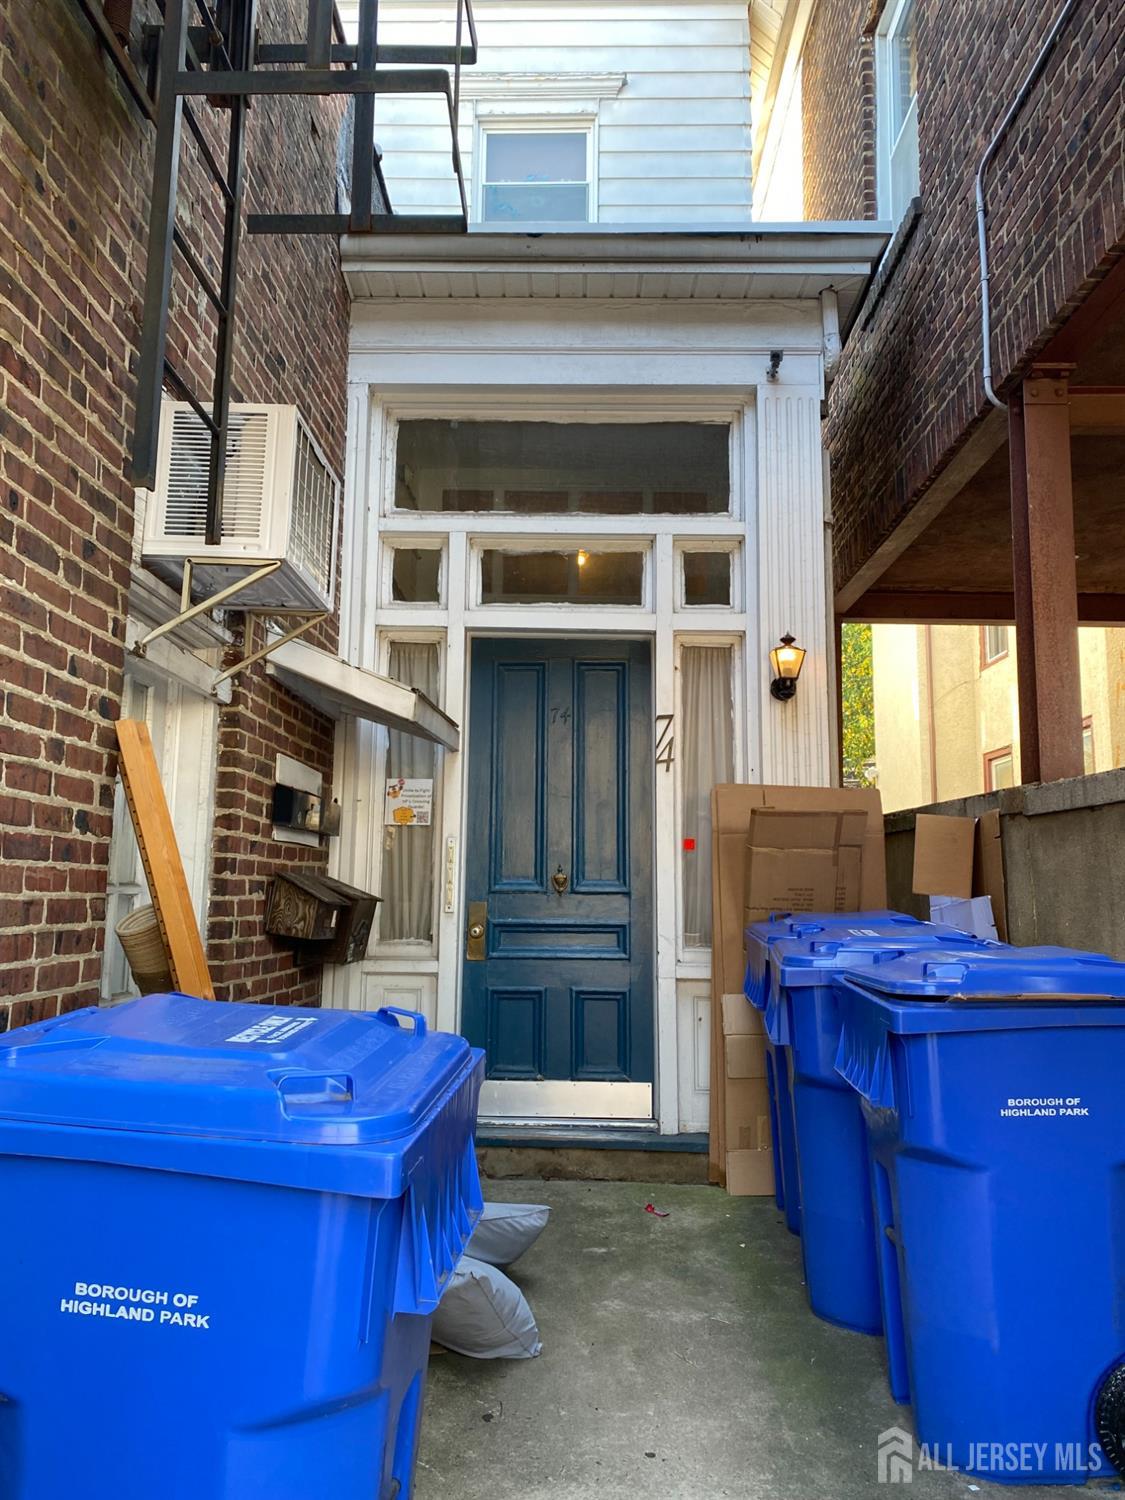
{"x": 559, "y": 951}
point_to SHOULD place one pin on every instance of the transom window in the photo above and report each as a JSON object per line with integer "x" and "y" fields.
{"x": 560, "y": 468}
{"x": 536, "y": 176}
{"x": 577, "y": 576}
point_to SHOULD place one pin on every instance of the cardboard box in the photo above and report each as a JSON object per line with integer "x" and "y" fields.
{"x": 961, "y": 858}
{"x": 746, "y": 1100}
{"x": 731, "y": 809}
{"x": 943, "y": 855}
{"x": 988, "y": 869}
{"x": 803, "y": 861}
{"x": 749, "y": 1174}
{"x": 972, "y": 914}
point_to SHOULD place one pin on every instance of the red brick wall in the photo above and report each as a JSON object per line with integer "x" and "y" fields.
{"x": 909, "y": 389}
{"x": 75, "y": 164}
{"x": 838, "y": 63}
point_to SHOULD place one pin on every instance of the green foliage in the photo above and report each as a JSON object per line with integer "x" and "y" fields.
{"x": 857, "y": 688}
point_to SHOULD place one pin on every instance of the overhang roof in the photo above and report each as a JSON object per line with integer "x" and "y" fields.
{"x": 341, "y": 690}
{"x": 763, "y": 262}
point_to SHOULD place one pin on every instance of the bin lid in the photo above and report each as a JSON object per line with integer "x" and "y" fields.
{"x": 858, "y": 942}
{"x": 175, "y": 1065}
{"x": 996, "y": 972}
{"x": 788, "y": 924}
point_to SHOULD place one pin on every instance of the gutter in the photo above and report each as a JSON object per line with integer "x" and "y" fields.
{"x": 1010, "y": 114}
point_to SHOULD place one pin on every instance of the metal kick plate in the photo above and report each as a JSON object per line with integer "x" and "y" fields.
{"x": 478, "y": 931}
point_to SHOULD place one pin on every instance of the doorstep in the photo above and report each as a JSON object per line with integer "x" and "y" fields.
{"x": 558, "y": 1153}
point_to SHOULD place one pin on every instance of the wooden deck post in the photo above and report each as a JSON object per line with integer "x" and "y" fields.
{"x": 1045, "y": 582}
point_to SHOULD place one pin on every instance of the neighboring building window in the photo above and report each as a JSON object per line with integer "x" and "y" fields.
{"x": 999, "y": 769}
{"x": 897, "y": 108}
{"x": 536, "y": 176}
{"x": 993, "y": 644}
{"x": 707, "y": 731}
{"x": 1088, "y": 746}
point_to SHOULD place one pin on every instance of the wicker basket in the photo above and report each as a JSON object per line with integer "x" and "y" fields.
{"x": 144, "y": 948}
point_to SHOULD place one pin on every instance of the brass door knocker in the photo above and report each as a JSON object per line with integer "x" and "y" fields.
{"x": 560, "y": 880}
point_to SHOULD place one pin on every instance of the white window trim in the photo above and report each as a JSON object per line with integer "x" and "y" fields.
{"x": 531, "y": 88}
{"x": 890, "y": 25}
{"x": 554, "y": 122}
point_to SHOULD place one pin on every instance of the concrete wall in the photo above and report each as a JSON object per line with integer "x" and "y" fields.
{"x": 1064, "y": 859}
{"x": 665, "y": 88}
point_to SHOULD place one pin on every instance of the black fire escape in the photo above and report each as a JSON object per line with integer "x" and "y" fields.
{"x": 210, "y": 50}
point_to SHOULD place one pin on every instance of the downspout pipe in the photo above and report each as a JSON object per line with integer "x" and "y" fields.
{"x": 1064, "y": 15}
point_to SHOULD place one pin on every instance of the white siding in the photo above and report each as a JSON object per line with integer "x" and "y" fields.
{"x": 666, "y": 88}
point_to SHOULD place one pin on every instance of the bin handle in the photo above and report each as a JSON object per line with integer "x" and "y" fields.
{"x": 385, "y": 1012}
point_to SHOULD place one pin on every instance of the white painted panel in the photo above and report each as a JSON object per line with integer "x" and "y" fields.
{"x": 408, "y": 991}
{"x": 793, "y": 595}
{"x": 672, "y": 142}
{"x": 649, "y": 165}
{"x": 656, "y": 192}
{"x": 693, "y": 1018}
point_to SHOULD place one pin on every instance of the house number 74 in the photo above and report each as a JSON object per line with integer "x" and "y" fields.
{"x": 665, "y": 741}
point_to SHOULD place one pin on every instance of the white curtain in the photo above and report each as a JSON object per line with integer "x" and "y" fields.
{"x": 407, "y": 912}
{"x": 707, "y": 759}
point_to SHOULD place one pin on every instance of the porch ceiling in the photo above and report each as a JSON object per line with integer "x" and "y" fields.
{"x": 953, "y": 559}
{"x": 960, "y": 566}
{"x": 772, "y": 262}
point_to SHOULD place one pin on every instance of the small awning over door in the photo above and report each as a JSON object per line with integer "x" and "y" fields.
{"x": 341, "y": 690}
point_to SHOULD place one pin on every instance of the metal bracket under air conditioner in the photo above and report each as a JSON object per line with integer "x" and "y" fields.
{"x": 306, "y": 619}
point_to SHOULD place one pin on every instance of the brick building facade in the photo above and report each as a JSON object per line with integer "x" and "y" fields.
{"x": 75, "y": 172}
{"x": 909, "y": 390}
{"x": 931, "y": 514}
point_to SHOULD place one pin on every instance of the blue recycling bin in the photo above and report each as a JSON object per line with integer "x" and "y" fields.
{"x": 225, "y": 1231}
{"x": 993, "y": 1090}
{"x": 802, "y": 1022}
{"x": 760, "y": 938}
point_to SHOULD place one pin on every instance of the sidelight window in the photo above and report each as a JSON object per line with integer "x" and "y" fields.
{"x": 706, "y": 733}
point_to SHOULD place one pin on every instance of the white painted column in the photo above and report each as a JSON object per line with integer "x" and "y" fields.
{"x": 667, "y": 1089}
{"x": 453, "y": 791}
{"x": 796, "y": 736}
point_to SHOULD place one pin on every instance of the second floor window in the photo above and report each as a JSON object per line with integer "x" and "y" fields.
{"x": 897, "y": 108}
{"x": 533, "y": 176}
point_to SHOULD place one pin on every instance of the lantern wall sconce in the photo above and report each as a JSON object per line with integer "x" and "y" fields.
{"x": 786, "y": 659}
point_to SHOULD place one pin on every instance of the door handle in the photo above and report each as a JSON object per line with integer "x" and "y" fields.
{"x": 560, "y": 880}
{"x": 478, "y": 931}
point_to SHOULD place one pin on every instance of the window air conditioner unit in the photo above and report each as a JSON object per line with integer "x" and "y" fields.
{"x": 280, "y": 503}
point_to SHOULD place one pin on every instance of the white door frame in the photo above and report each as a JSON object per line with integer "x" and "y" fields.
{"x": 401, "y": 367}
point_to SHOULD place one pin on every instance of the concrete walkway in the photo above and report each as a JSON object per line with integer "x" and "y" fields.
{"x": 680, "y": 1360}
